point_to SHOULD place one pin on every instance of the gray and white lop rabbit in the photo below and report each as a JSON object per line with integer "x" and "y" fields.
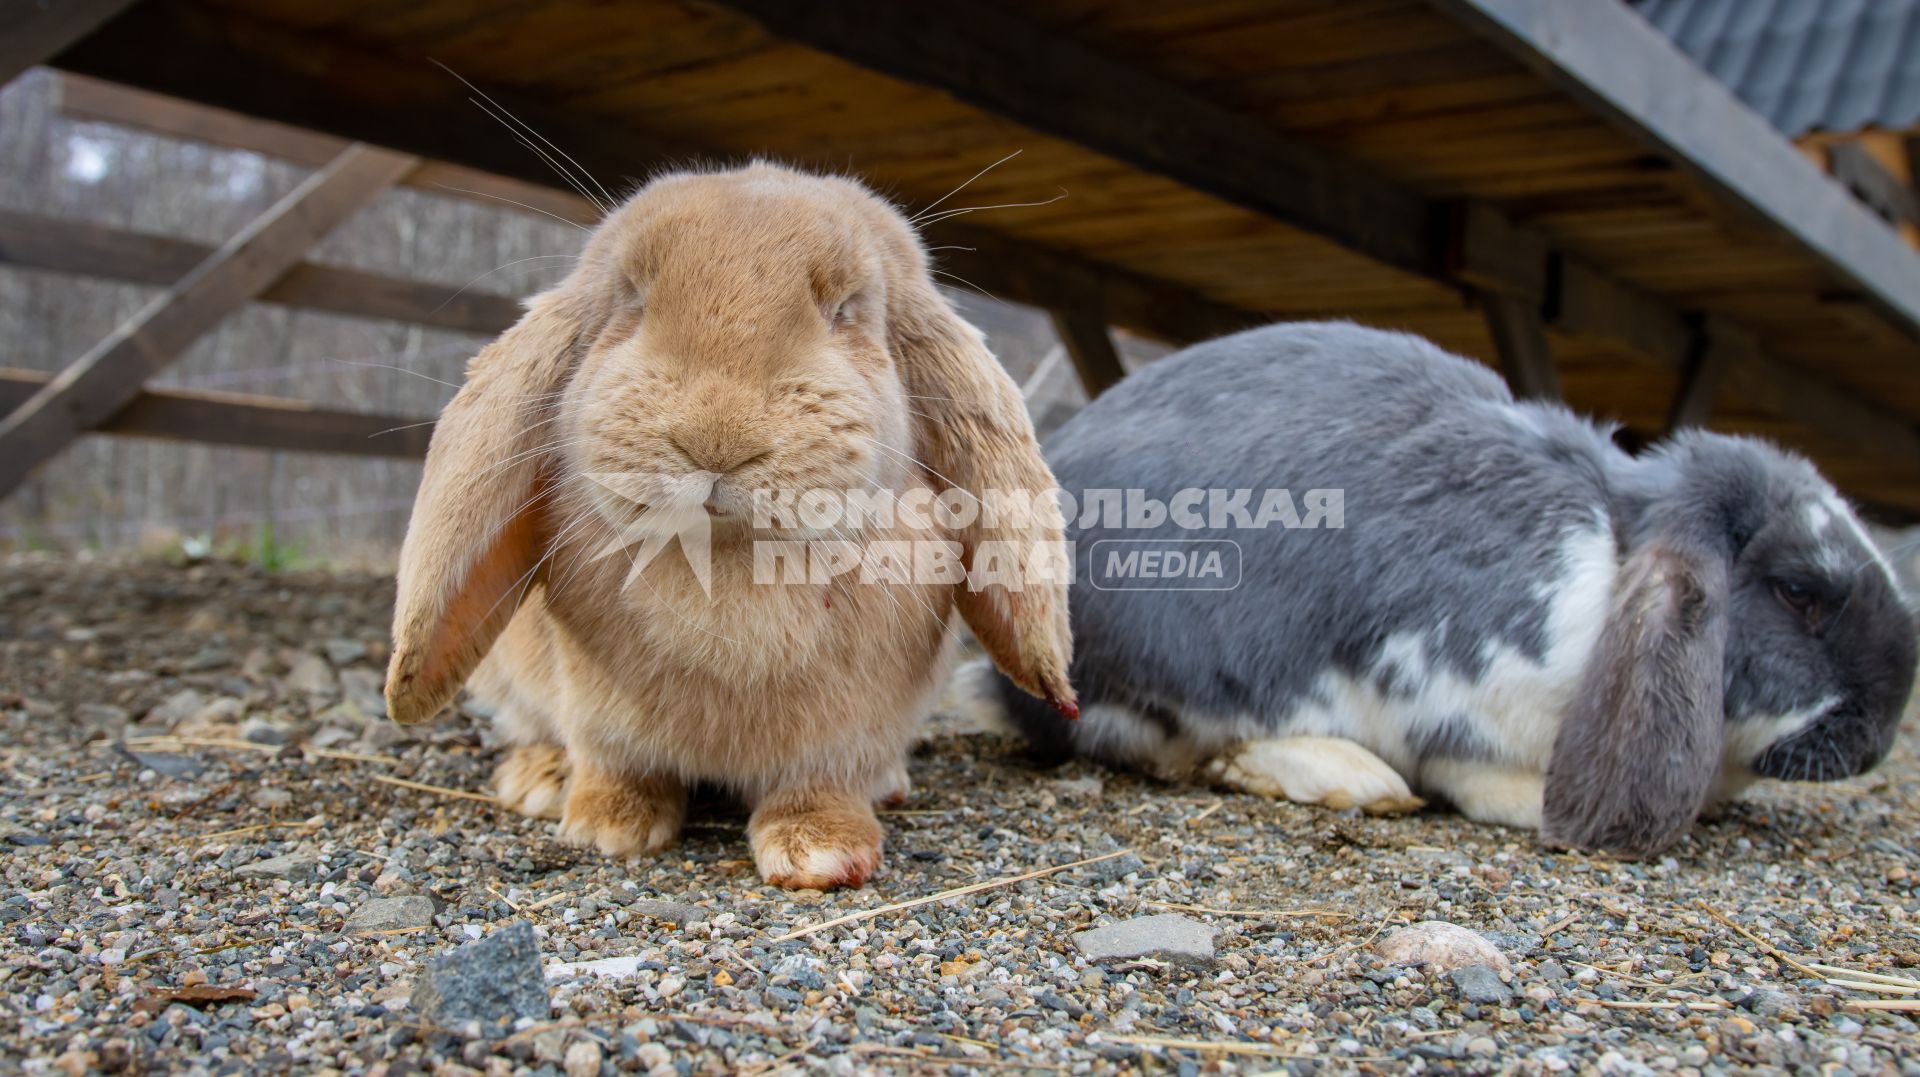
{"x": 1514, "y": 615}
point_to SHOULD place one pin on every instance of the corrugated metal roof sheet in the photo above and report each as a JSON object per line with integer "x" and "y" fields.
{"x": 1806, "y": 65}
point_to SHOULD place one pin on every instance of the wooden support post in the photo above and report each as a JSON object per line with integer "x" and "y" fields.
{"x": 35, "y": 31}
{"x": 1520, "y": 338}
{"x": 109, "y": 377}
{"x": 1089, "y": 344}
{"x": 1699, "y": 383}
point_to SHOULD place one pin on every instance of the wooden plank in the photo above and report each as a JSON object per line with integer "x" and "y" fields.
{"x": 1700, "y": 384}
{"x": 81, "y": 98}
{"x": 244, "y": 420}
{"x": 1490, "y": 252}
{"x": 229, "y": 62}
{"x": 36, "y": 31}
{"x": 83, "y": 247}
{"x": 1520, "y": 340}
{"x": 109, "y": 376}
{"x": 1089, "y": 343}
{"x": 1019, "y": 69}
{"x": 1893, "y": 199}
{"x": 1609, "y": 57}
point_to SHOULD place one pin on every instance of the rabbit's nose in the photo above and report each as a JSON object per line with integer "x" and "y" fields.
{"x": 720, "y": 452}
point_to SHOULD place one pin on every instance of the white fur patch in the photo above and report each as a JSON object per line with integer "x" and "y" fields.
{"x": 1515, "y": 705}
{"x": 1747, "y": 739}
{"x": 1837, "y": 510}
{"x": 1487, "y": 793}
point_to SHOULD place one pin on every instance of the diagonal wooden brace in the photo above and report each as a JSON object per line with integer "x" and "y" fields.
{"x": 88, "y": 393}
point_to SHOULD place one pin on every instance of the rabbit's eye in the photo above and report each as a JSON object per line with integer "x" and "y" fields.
{"x": 843, "y": 313}
{"x": 1801, "y": 599}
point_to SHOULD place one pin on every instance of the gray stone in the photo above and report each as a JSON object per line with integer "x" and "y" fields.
{"x": 169, "y": 764}
{"x": 345, "y": 652}
{"x": 103, "y": 719}
{"x": 1078, "y": 788}
{"x": 364, "y": 690}
{"x": 1551, "y": 970}
{"x": 673, "y": 911}
{"x": 1478, "y": 983}
{"x": 494, "y": 981}
{"x": 310, "y": 673}
{"x": 265, "y": 731}
{"x": 1441, "y": 947}
{"x": 393, "y": 914}
{"x": 290, "y": 866}
{"x": 176, "y": 708}
{"x": 1771, "y": 1002}
{"x": 1166, "y": 937}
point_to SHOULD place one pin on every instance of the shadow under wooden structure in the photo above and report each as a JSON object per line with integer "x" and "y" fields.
{"x": 1549, "y": 186}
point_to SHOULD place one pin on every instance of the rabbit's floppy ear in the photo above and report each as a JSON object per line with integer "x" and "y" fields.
{"x": 477, "y": 527}
{"x": 978, "y": 439}
{"x": 1639, "y": 752}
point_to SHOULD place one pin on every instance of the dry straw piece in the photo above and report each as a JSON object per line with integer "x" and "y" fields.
{"x": 854, "y": 918}
{"x": 441, "y": 789}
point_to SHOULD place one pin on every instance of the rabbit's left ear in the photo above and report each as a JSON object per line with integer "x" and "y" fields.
{"x": 477, "y": 531}
{"x": 980, "y": 440}
{"x": 1639, "y": 752}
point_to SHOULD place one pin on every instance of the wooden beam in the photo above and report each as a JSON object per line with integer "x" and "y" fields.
{"x": 81, "y": 98}
{"x": 1893, "y": 199}
{"x": 1700, "y": 382}
{"x": 1618, "y": 64}
{"x": 91, "y": 249}
{"x": 1089, "y": 344}
{"x": 108, "y": 378}
{"x": 36, "y": 31}
{"x": 1488, "y": 251}
{"x": 227, "y": 61}
{"x": 992, "y": 58}
{"x": 1520, "y": 339}
{"x": 95, "y": 250}
{"x": 231, "y": 61}
{"x": 245, "y": 420}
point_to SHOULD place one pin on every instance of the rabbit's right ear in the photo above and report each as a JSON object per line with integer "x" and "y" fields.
{"x": 478, "y": 527}
{"x": 1639, "y": 752}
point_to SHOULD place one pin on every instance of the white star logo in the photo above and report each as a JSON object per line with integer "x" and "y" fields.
{"x": 653, "y": 511}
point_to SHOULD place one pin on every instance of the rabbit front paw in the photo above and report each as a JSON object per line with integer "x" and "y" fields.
{"x": 815, "y": 840}
{"x": 532, "y": 780}
{"x": 620, "y": 814}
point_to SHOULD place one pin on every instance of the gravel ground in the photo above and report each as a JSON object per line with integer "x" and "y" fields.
{"x": 268, "y": 905}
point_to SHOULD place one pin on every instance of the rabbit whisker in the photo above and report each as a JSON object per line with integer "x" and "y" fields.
{"x": 536, "y": 451}
{"x": 964, "y": 281}
{"x": 640, "y": 575}
{"x": 506, "y": 265}
{"x": 908, "y": 458}
{"x": 885, "y": 588}
{"x": 935, "y": 204}
{"x": 529, "y": 129}
{"x": 511, "y": 202}
{"x": 525, "y": 581}
{"x": 390, "y": 366}
{"x": 397, "y": 429}
{"x": 944, "y": 214}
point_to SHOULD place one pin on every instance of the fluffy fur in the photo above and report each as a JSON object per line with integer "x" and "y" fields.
{"x": 1517, "y": 616}
{"x": 768, "y": 330}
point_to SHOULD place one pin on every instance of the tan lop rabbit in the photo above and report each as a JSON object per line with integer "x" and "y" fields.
{"x": 736, "y": 331}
